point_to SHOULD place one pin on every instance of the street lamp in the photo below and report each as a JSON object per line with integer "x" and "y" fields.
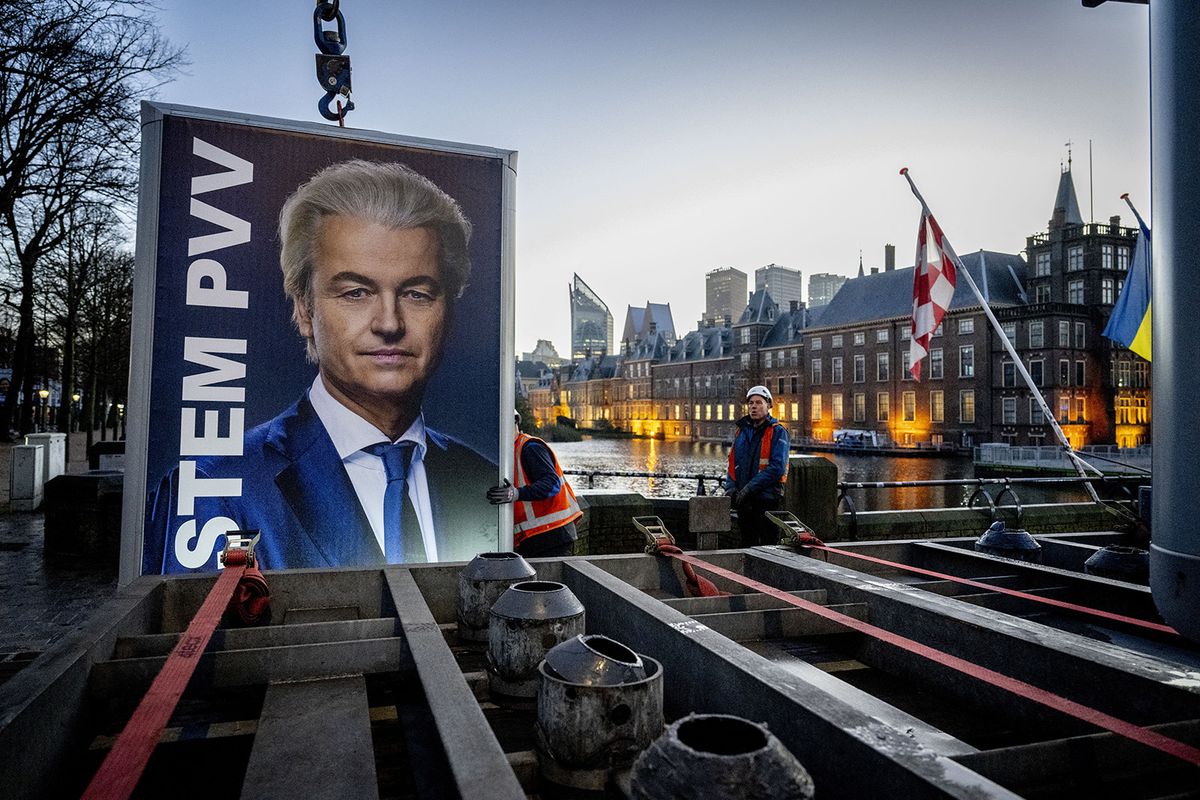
{"x": 43, "y": 394}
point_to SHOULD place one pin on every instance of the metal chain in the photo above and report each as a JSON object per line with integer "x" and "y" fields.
{"x": 333, "y": 67}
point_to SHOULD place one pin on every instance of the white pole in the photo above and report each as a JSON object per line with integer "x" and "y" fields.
{"x": 1078, "y": 462}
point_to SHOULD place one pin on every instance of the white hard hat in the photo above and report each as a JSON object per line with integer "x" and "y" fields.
{"x": 761, "y": 391}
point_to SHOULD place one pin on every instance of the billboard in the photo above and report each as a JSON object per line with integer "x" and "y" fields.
{"x": 263, "y": 403}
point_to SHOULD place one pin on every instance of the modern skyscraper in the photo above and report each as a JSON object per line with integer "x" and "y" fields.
{"x": 784, "y": 285}
{"x": 724, "y": 295}
{"x": 591, "y": 323}
{"x": 822, "y": 286}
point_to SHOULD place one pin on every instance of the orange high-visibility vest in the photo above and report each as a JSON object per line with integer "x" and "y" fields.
{"x": 764, "y": 453}
{"x": 531, "y": 517}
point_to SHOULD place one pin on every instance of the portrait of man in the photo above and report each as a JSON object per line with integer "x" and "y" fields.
{"x": 374, "y": 258}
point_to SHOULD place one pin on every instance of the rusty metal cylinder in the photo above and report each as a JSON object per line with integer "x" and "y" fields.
{"x": 480, "y": 585}
{"x": 718, "y": 757}
{"x": 599, "y": 705}
{"x": 527, "y": 620}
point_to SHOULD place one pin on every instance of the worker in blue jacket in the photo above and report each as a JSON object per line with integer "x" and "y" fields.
{"x": 758, "y": 466}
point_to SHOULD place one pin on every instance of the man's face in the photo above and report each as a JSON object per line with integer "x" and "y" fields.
{"x": 378, "y": 317}
{"x": 758, "y": 408}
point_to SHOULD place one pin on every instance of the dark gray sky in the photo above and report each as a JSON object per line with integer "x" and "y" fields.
{"x": 660, "y": 140}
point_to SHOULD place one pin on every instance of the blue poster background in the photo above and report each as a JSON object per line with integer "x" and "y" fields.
{"x": 463, "y": 397}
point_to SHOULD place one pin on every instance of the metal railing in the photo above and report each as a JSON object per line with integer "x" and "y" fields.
{"x": 591, "y": 475}
{"x": 1130, "y": 459}
{"x": 994, "y": 502}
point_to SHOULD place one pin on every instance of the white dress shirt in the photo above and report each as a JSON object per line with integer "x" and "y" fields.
{"x": 350, "y": 434}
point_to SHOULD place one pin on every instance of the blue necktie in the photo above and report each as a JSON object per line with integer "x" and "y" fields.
{"x": 398, "y": 548}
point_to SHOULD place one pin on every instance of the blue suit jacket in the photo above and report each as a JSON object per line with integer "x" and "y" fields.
{"x": 297, "y": 493}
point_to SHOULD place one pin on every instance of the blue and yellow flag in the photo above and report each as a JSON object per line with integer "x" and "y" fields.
{"x": 1130, "y": 320}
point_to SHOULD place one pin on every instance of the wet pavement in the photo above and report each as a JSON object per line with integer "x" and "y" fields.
{"x": 42, "y": 599}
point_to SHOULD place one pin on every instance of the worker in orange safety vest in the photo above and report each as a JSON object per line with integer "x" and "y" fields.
{"x": 544, "y": 506}
{"x": 758, "y": 464}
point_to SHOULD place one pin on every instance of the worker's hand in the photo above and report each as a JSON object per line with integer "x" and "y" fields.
{"x": 505, "y": 493}
{"x": 732, "y": 495}
{"x": 742, "y": 496}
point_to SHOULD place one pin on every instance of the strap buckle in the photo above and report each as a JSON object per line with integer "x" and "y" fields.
{"x": 655, "y": 531}
{"x": 241, "y": 540}
{"x": 793, "y": 532}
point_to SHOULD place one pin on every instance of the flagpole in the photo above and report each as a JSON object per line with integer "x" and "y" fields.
{"x": 1129, "y": 203}
{"x": 1076, "y": 460}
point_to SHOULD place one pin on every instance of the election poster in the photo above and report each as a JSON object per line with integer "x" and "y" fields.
{"x": 321, "y": 348}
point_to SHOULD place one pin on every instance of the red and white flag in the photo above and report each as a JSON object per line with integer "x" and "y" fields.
{"x": 933, "y": 288}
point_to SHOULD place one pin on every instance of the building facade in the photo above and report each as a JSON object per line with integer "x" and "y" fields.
{"x": 841, "y": 369}
{"x": 785, "y": 285}
{"x": 591, "y": 323}
{"x": 724, "y": 295}
{"x": 822, "y": 286}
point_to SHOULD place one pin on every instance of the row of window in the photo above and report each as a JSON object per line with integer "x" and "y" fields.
{"x": 1075, "y": 259}
{"x": 883, "y": 406}
{"x": 1066, "y": 405}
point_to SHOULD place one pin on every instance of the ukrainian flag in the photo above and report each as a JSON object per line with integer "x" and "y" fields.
{"x": 1130, "y": 320}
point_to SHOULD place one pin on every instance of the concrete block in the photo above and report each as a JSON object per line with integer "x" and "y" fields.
{"x": 107, "y": 455}
{"x": 54, "y": 455}
{"x": 25, "y": 483}
{"x": 708, "y": 541}
{"x": 83, "y": 516}
{"x": 811, "y": 493}
{"x": 708, "y": 514}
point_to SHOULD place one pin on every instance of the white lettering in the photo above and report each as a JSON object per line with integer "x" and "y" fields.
{"x": 240, "y": 170}
{"x": 210, "y": 442}
{"x": 237, "y": 230}
{"x": 191, "y": 487}
{"x": 200, "y": 350}
{"x": 201, "y": 554}
{"x": 215, "y": 294}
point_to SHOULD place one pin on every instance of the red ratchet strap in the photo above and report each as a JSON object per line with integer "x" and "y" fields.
{"x": 123, "y": 767}
{"x": 1081, "y": 712}
{"x": 1078, "y": 609}
{"x": 697, "y": 585}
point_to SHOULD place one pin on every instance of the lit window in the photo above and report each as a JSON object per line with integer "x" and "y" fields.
{"x": 966, "y": 405}
{"x": 1064, "y": 409}
{"x": 816, "y": 408}
{"x": 860, "y": 407}
{"x": 909, "y": 403}
{"x": 1080, "y": 409}
{"x": 835, "y": 407}
{"x": 883, "y": 406}
{"x": 795, "y": 411}
{"x": 937, "y": 406}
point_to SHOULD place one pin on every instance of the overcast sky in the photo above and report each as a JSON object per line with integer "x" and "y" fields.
{"x": 660, "y": 140}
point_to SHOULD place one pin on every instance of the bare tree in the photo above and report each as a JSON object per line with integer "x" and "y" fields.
{"x": 71, "y": 75}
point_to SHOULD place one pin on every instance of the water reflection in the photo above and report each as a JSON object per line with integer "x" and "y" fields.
{"x": 709, "y": 459}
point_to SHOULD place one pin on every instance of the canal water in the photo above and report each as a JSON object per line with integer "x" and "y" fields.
{"x": 710, "y": 459}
